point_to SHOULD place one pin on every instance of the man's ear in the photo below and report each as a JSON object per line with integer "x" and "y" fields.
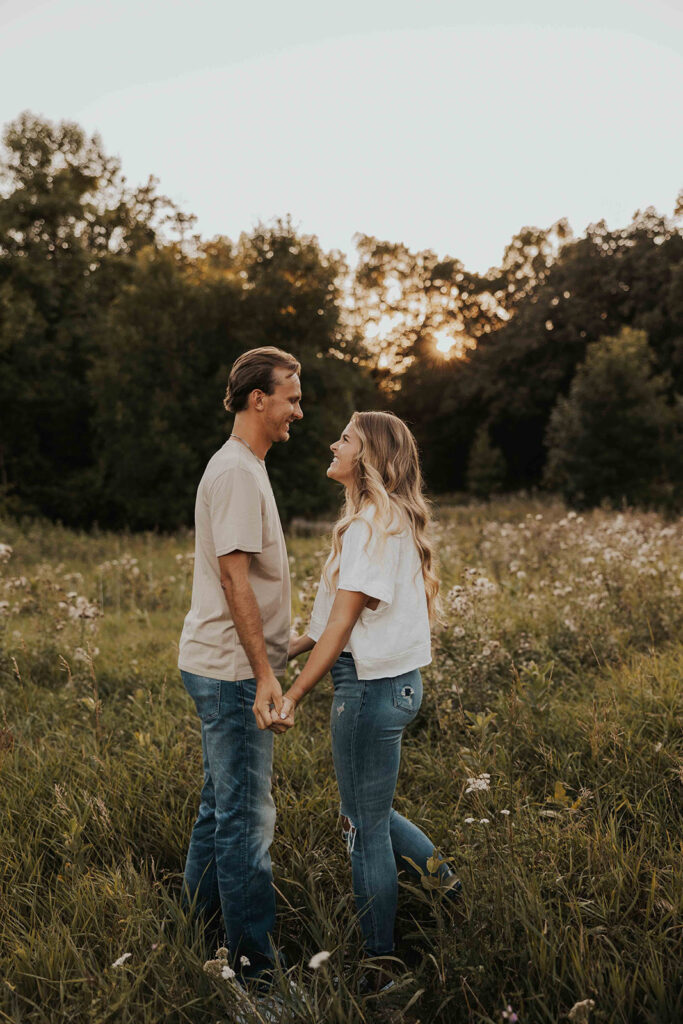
{"x": 257, "y": 399}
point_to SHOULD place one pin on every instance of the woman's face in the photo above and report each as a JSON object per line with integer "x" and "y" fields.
{"x": 345, "y": 451}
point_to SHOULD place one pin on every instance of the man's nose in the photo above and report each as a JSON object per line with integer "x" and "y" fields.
{"x": 299, "y": 413}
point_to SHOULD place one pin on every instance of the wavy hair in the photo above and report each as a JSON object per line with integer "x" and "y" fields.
{"x": 388, "y": 479}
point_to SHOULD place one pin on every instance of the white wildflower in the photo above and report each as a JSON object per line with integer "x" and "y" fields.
{"x": 318, "y": 959}
{"x": 481, "y": 782}
{"x": 5, "y": 552}
{"x": 121, "y": 960}
{"x": 485, "y": 586}
{"x": 245, "y": 961}
{"x": 483, "y": 821}
{"x": 227, "y": 973}
{"x": 470, "y": 821}
{"x": 505, "y": 812}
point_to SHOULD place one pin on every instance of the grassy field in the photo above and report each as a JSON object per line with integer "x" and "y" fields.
{"x": 556, "y": 683}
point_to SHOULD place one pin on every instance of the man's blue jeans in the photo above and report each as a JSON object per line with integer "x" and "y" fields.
{"x": 367, "y": 722}
{"x": 228, "y": 862}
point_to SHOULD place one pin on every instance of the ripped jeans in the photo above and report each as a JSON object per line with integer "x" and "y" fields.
{"x": 367, "y": 722}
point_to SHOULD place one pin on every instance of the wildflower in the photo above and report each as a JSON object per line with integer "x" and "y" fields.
{"x": 318, "y": 959}
{"x": 227, "y": 973}
{"x": 509, "y": 1014}
{"x": 505, "y": 812}
{"x": 121, "y": 960}
{"x": 458, "y": 632}
{"x": 485, "y": 586}
{"x": 469, "y": 821}
{"x": 581, "y": 1011}
{"x": 483, "y": 821}
{"x": 481, "y": 782}
{"x": 5, "y": 552}
{"x": 245, "y": 961}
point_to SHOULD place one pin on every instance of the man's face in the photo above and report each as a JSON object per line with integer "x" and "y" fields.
{"x": 283, "y": 407}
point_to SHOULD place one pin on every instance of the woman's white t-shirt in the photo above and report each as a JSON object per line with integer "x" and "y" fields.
{"x": 395, "y": 637}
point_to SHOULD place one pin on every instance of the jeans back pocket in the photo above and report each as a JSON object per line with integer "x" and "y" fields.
{"x": 206, "y": 694}
{"x": 406, "y": 691}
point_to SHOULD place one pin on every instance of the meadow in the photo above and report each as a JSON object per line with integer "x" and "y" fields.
{"x": 546, "y": 762}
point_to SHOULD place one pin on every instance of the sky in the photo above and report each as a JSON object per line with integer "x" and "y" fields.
{"x": 442, "y": 124}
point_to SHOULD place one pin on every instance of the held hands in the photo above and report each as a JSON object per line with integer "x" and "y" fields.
{"x": 271, "y": 710}
{"x": 284, "y": 719}
{"x": 268, "y": 696}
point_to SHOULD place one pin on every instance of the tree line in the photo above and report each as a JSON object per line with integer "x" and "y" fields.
{"x": 118, "y": 325}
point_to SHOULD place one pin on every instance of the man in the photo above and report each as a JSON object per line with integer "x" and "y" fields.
{"x": 233, "y": 647}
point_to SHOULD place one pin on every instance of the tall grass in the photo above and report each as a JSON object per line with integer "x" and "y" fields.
{"x": 556, "y": 684}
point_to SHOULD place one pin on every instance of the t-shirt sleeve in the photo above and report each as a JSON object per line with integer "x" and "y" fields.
{"x": 235, "y": 509}
{"x": 369, "y": 563}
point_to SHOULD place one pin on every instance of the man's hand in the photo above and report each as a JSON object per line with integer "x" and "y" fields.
{"x": 268, "y": 694}
{"x": 284, "y": 719}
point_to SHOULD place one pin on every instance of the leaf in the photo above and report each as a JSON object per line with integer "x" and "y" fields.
{"x": 560, "y": 795}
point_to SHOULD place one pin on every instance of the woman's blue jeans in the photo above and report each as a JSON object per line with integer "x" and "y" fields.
{"x": 367, "y": 721}
{"x": 228, "y": 862}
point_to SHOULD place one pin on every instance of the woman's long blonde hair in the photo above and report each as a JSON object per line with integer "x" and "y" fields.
{"x": 389, "y": 480}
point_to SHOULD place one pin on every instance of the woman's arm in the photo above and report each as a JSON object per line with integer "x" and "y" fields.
{"x": 348, "y": 604}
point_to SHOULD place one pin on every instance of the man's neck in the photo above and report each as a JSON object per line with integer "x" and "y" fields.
{"x": 248, "y": 431}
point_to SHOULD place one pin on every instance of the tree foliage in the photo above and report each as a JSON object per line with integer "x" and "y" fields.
{"x": 485, "y": 466}
{"x": 117, "y": 336}
{"x": 118, "y": 327}
{"x": 514, "y": 377}
{"x": 617, "y": 435}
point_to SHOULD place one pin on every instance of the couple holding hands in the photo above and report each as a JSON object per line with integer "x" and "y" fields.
{"x": 370, "y": 627}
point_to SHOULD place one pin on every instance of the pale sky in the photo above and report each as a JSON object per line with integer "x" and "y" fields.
{"x": 442, "y": 124}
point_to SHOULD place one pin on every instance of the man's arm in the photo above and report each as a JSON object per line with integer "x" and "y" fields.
{"x": 234, "y": 570}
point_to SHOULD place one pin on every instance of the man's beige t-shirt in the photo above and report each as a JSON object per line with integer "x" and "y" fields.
{"x": 235, "y": 511}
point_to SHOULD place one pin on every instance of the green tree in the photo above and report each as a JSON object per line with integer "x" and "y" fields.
{"x": 166, "y": 346}
{"x": 617, "y": 435}
{"x": 69, "y": 229}
{"x": 486, "y": 466}
{"x": 514, "y": 377}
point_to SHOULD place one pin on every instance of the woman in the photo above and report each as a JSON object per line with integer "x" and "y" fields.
{"x": 371, "y": 626}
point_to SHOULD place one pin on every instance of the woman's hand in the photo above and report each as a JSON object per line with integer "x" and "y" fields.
{"x": 285, "y": 717}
